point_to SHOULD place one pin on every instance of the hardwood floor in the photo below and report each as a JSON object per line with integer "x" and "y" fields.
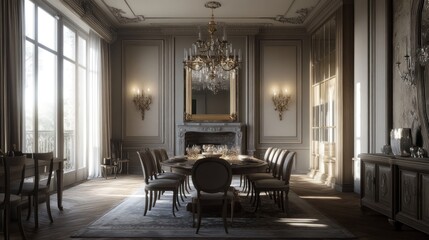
{"x": 88, "y": 201}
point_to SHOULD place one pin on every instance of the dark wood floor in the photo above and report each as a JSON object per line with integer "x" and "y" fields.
{"x": 88, "y": 201}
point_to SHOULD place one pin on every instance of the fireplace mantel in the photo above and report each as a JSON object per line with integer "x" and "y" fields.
{"x": 236, "y": 128}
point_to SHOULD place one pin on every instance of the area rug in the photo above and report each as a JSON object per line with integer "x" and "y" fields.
{"x": 127, "y": 221}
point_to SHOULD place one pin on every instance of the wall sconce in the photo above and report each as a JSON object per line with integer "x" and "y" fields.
{"x": 142, "y": 101}
{"x": 407, "y": 76}
{"x": 281, "y": 102}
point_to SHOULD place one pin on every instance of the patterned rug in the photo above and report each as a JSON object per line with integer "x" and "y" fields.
{"x": 127, "y": 221}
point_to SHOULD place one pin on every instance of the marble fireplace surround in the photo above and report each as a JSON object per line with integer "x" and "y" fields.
{"x": 230, "y": 134}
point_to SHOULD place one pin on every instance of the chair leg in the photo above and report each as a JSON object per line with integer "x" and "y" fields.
{"x": 249, "y": 186}
{"x": 48, "y": 207}
{"x": 257, "y": 199}
{"x": 182, "y": 192}
{"x": 150, "y": 199}
{"x": 174, "y": 202}
{"x": 21, "y": 228}
{"x": 286, "y": 203}
{"x": 36, "y": 210}
{"x": 146, "y": 203}
{"x": 224, "y": 210}
{"x": 29, "y": 208}
{"x": 155, "y": 197}
{"x": 232, "y": 209}
{"x": 6, "y": 213}
{"x": 199, "y": 215}
{"x": 193, "y": 213}
{"x": 177, "y": 200}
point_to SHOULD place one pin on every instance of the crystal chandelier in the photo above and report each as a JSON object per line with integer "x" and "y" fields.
{"x": 211, "y": 60}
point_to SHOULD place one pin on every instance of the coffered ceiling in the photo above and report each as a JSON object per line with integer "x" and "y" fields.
{"x": 141, "y": 13}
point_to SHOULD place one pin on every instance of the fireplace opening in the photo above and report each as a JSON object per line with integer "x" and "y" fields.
{"x": 215, "y": 138}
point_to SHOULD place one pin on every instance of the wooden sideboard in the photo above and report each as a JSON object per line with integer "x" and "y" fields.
{"x": 397, "y": 187}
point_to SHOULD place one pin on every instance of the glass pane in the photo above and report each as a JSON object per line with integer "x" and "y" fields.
{"x": 326, "y": 40}
{"x": 46, "y": 85}
{"x": 333, "y": 35}
{"x": 333, "y": 64}
{"x": 82, "y": 51}
{"x": 47, "y": 29}
{"x": 29, "y": 90}
{"x": 69, "y": 43}
{"x": 69, "y": 101}
{"x": 82, "y": 109}
{"x": 330, "y": 103}
{"x": 29, "y": 19}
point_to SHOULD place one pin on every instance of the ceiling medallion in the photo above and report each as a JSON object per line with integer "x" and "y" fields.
{"x": 302, "y": 15}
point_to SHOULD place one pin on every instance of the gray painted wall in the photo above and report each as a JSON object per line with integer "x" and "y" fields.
{"x": 168, "y": 90}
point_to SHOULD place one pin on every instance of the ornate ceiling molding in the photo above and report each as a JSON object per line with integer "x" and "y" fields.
{"x": 300, "y": 19}
{"x": 119, "y": 15}
{"x": 93, "y": 16}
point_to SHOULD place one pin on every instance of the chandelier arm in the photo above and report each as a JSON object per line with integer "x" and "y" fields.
{"x": 211, "y": 57}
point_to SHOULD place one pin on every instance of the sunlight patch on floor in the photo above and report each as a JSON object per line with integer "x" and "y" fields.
{"x": 302, "y": 222}
{"x": 320, "y": 197}
{"x": 313, "y": 225}
{"x": 297, "y": 220}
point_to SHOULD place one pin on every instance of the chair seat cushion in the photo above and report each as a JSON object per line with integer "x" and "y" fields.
{"x": 257, "y": 176}
{"x": 14, "y": 199}
{"x": 162, "y": 184}
{"x": 230, "y": 194}
{"x": 271, "y": 184}
{"x": 27, "y": 188}
{"x": 170, "y": 175}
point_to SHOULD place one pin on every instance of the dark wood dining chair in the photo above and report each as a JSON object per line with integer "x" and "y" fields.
{"x": 271, "y": 171}
{"x": 266, "y": 159}
{"x": 155, "y": 186}
{"x": 12, "y": 173}
{"x": 108, "y": 165}
{"x": 279, "y": 187}
{"x": 161, "y": 174}
{"x": 40, "y": 188}
{"x": 212, "y": 180}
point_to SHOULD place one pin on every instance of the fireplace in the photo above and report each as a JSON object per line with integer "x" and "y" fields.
{"x": 230, "y": 134}
{"x": 215, "y": 138}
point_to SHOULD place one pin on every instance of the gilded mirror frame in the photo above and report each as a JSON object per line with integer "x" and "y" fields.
{"x": 231, "y": 117}
{"x": 421, "y": 75}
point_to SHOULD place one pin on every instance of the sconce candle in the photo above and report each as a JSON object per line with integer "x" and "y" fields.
{"x": 142, "y": 101}
{"x": 281, "y": 102}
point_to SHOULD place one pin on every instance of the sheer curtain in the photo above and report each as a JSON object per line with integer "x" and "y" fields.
{"x": 98, "y": 130}
{"x": 11, "y": 44}
{"x": 93, "y": 133}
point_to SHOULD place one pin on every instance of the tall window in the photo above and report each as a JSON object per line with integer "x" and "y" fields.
{"x": 41, "y": 58}
{"x": 324, "y": 89}
{"x": 55, "y": 71}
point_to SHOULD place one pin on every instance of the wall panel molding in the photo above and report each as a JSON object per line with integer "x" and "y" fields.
{"x": 143, "y": 67}
{"x": 280, "y": 67}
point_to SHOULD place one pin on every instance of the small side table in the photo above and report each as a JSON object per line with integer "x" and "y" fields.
{"x": 120, "y": 164}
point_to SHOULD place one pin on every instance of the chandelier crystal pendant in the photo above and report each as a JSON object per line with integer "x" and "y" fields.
{"x": 211, "y": 60}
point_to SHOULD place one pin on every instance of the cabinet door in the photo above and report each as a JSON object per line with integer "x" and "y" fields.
{"x": 369, "y": 181}
{"x": 408, "y": 193}
{"x": 425, "y": 198}
{"x": 385, "y": 185}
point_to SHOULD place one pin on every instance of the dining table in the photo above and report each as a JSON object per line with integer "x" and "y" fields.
{"x": 240, "y": 164}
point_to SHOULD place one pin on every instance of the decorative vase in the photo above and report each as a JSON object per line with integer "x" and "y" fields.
{"x": 401, "y": 141}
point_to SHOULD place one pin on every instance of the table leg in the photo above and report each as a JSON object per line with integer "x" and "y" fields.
{"x": 60, "y": 174}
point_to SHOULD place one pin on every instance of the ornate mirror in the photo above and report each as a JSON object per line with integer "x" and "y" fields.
{"x": 420, "y": 45}
{"x": 210, "y": 100}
